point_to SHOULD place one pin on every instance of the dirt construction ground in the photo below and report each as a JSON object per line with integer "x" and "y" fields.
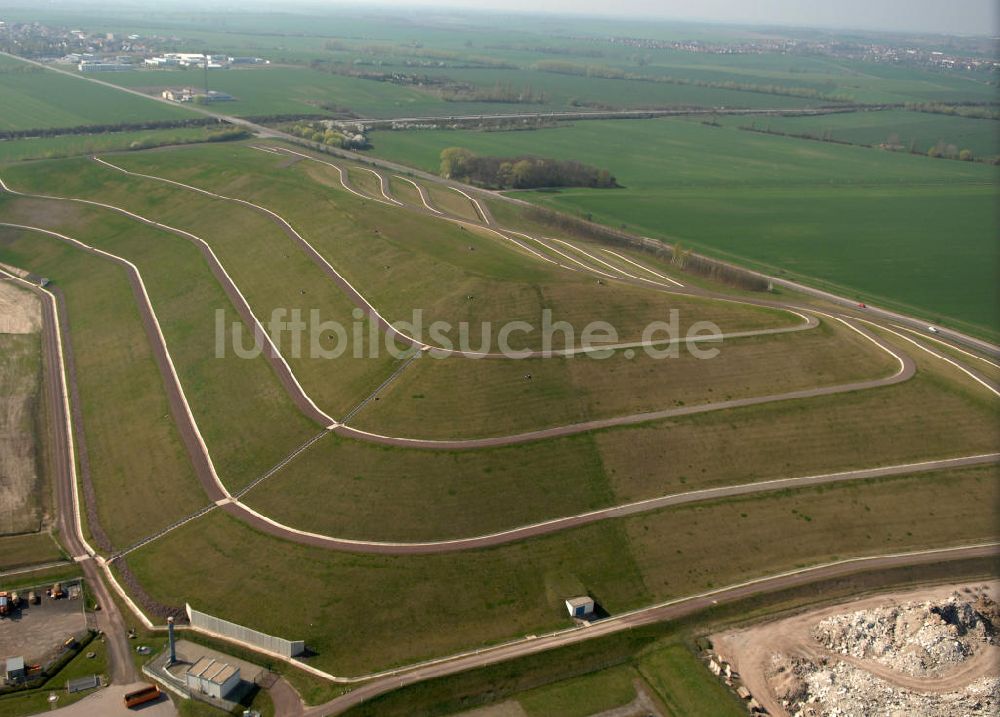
{"x": 749, "y": 650}
{"x": 20, "y": 311}
{"x": 20, "y": 356}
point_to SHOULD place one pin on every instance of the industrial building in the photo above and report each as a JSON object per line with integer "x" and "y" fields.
{"x": 90, "y": 66}
{"x": 213, "y": 678}
{"x": 580, "y": 606}
{"x": 14, "y": 671}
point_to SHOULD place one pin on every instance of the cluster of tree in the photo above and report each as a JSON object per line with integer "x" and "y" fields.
{"x": 810, "y": 93}
{"x": 103, "y": 128}
{"x": 230, "y": 134}
{"x": 392, "y": 77}
{"x": 943, "y": 150}
{"x": 321, "y": 134}
{"x": 977, "y": 111}
{"x": 280, "y": 118}
{"x": 503, "y": 92}
{"x": 521, "y": 172}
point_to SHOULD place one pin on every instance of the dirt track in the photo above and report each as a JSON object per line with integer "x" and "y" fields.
{"x": 109, "y": 619}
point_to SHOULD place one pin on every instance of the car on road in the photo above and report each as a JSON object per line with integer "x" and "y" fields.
{"x": 933, "y": 329}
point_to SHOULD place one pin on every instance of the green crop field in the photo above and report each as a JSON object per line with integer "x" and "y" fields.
{"x": 908, "y": 231}
{"x": 17, "y": 551}
{"x": 580, "y": 697}
{"x": 34, "y": 98}
{"x": 909, "y": 131}
{"x": 685, "y": 686}
{"x": 74, "y": 144}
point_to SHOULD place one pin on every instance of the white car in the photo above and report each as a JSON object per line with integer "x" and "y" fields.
{"x": 932, "y": 329}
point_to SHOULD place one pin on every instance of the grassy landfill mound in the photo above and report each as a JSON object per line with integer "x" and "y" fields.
{"x": 346, "y": 487}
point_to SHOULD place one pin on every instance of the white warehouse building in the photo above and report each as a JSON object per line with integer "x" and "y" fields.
{"x": 213, "y": 678}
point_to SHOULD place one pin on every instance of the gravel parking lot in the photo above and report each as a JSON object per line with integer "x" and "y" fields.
{"x": 37, "y": 632}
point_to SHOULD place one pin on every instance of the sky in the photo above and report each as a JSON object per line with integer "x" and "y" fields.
{"x": 976, "y": 17}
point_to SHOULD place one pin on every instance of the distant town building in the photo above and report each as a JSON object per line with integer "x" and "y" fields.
{"x": 580, "y": 606}
{"x": 213, "y": 678}
{"x": 197, "y": 59}
{"x": 92, "y": 66}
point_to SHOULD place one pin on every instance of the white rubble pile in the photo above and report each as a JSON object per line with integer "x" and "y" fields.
{"x": 917, "y": 638}
{"x": 841, "y": 689}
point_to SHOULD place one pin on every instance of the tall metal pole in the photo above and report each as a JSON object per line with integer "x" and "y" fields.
{"x": 170, "y": 637}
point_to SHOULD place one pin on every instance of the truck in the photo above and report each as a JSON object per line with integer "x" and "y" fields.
{"x": 57, "y": 591}
{"x": 4, "y": 604}
{"x": 145, "y": 694}
{"x": 15, "y": 600}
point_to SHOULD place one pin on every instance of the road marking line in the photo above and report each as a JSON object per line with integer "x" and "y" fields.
{"x": 591, "y": 256}
{"x": 643, "y": 267}
{"x": 992, "y": 389}
{"x": 945, "y": 343}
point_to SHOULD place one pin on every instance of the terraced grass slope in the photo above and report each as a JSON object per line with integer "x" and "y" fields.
{"x": 362, "y": 612}
{"x": 246, "y": 418}
{"x": 402, "y": 261}
{"x": 137, "y": 463}
{"x": 349, "y": 608}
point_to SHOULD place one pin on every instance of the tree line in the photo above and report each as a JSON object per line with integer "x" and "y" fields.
{"x": 563, "y": 67}
{"x": 679, "y": 256}
{"x": 111, "y": 127}
{"x": 525, "y": 172}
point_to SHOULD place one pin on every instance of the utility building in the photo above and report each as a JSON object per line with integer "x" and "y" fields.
{"x": 213, "y": 678}
{"x": 580, "y": 606}
{"x": 15, "y": 669}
